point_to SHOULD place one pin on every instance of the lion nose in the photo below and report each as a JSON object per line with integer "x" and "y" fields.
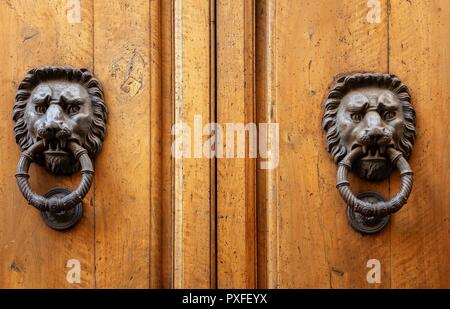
{"x": 373, "y": 119}
{"x": 53, "y": 126}
{"x": 374, "y": 133}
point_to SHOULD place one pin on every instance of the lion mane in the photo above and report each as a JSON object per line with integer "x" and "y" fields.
{"x": 85, "y": 78}
{"x": 342, "y": 85}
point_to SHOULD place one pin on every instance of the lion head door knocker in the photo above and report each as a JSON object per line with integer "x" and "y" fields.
{"x": 370, "y": 128}
{"x": 60, "y": 122}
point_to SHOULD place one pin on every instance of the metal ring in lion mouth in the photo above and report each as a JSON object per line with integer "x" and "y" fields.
{"x": 381, "y": 208}
{"x": 54, "y": 204}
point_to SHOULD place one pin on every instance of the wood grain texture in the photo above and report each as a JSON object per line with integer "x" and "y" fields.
{"x": 307, "y": 241}
{"x": 122, "y": 222}
{"x": 152, "y": 220}
{"x": 236, "y": 213}
{"x": 129, "y": 241}
{"x": 167, "y": 110}
{"x": 193, "y": 199}
{"x": 419, "y": 44}
{"x": 33, "y": 255}
{"x": 266, "y": 179}
{"x": 156, "y": 150}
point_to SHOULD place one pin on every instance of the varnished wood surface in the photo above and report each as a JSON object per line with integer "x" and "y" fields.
{"x": 130, "y": 235}
{"x": 152, "y": 220}
{"x": 306, "y": 242}
{"x": 420, "y": 233}
{"x": 31, "y": 254}
{"x": 236, "y": 211}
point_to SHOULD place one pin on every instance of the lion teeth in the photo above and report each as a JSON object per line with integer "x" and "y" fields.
{"x": 63, "y": 143}
{"x": 364, "y": 149}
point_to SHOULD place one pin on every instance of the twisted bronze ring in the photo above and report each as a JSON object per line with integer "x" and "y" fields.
{"x": 54, "y": 204}
{"x": 381, "y": 208}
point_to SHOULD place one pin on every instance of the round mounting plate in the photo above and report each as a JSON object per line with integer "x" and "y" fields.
{"x": 367, "y": 225}
{"x": 65, "y": 219}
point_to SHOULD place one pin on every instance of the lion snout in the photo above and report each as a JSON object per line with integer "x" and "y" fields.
{"x": 378, "y": 136}
{"x": 54, "y": 130}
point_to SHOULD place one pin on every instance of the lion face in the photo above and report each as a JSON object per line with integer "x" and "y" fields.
{"x": 371, "y": 118}
{"x": 58, "y": 105}
{"x": 371, "y": 111}
{"x": 58, "y": 112}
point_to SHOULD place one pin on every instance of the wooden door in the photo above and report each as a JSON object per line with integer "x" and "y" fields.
{"x": 148, "y": 218}
{"x": 154, "y": 220}
{"x": 294, "y": 49}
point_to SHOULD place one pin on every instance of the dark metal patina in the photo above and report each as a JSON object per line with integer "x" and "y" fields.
{"x": 370, "y": 126}
{"x": 60, "y": 122}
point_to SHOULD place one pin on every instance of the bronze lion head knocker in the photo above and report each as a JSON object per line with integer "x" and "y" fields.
{"x": 60, "y": 121}
{"x": 370, "y": 128}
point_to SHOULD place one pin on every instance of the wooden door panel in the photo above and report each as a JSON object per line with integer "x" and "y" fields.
{"x": 122, "y": 183}
{"x": 33, "y": 255}
{"x": 304, "y": 239}
{"x": 303, "y": 46}
{"x": 420, "y": 237}
{"x": 236, "y": 177}
{"x": 148, "y": 219}
{"x": 193, "y": 202}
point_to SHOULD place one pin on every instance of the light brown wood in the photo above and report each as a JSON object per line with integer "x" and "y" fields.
{"x": 122, "y": 191}
{"x": 236, "y": 213}
{"x": 306, "y": 241}
{"x": 31, "y": 254}
{"x": 193, "y": 198}
{"x": 156, "y": 149}
{"x": 266, "y": 197}
{"x": 152, "y": 220}
{"x": 167, "y": 109}
{"x": 420, "y": 242}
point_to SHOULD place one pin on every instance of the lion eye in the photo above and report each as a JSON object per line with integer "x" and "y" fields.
{"x": 357, "y": 117}
{"x": 40, "y": 108}
{"x": 73, "y": 109}
{"x": 389, "y": 115}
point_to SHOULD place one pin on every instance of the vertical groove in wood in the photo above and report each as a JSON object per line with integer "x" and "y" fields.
{"x": 236, "y": 176}
{"x": 272, "y": 175}
{"x": 250, "y": 163}
{"x": 192, "y": 196}
{"x": 179, "y": 174}
{"x": 267, "y": 189}
{"x": 156, "y": 147}
{"x": 167, "y": 109}
{"x": 213, "y": 118}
